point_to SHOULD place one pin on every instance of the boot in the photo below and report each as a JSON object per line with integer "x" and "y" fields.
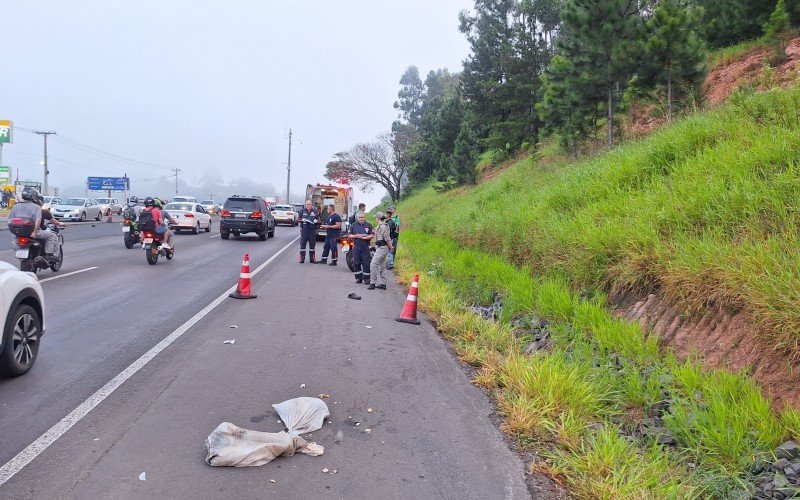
{"x": 359, "y": 279}
{"x": 381, "y": 287}
{"x": 333, "y": 263}
{"x": 334, "y": 258}
{"x": 313, "y": 257}
{"x": 324, "y": 260}
{"x": 371, "y": 287}
{"x": 302, "y": 256}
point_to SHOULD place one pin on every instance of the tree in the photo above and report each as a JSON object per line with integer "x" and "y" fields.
{"x": 384, "y": 162}
{"x": 674, "y": 49}
{"x": 777, "y": 31}
{"x": 608, "y": 34}
{"x": 410, "y": 96}
{"x": 726, "y": 22}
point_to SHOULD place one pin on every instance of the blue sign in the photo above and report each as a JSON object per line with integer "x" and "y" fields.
{"x": 106, "y": 183}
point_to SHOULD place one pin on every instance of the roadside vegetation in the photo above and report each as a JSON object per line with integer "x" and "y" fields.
{"x": 615, "y": 418}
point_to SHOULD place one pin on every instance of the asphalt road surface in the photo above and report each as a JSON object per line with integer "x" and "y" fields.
{"x": 430, "y": 432}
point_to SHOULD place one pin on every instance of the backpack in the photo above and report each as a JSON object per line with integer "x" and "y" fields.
{"x": 129, "y": 213}
{"x": 393, "y": 232}
{"x": 146, "y": 221}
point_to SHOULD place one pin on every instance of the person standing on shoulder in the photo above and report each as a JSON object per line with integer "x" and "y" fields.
{"x": 384, "y": 243}
{"x": 333, "y": 224}
{"x": 309, "y": 220}
{"x": 361, "y": 208}
{"x": 361, "y": 234}
{"x": 394, "y": 232}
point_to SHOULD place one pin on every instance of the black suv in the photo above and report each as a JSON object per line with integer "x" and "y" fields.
{"x": 246, "y": 214}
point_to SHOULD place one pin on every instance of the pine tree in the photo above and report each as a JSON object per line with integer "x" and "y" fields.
{"x": 674, "y": 50}
{"x": 777, "y": 31}
{"x": 726, "y": 22}
{"x": 608, "y": 34}
{"x": 410, "y": 96}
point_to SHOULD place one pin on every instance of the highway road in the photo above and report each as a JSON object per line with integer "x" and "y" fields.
{"x": 431, "y": 429}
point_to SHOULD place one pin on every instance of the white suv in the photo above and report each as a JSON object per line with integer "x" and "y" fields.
{"x": 22, "y": 318}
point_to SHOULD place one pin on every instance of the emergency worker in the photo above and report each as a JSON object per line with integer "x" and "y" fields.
{"x": 333, "y": 226}
{"x": 383, "y": 242}
{"x": 309, "y": 220}
{"x": 361, "y": 234}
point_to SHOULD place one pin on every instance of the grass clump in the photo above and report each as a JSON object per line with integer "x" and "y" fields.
{"x": 583, "y": 398}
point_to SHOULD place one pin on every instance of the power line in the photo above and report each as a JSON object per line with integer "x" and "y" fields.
{"x": 176, "y": 170}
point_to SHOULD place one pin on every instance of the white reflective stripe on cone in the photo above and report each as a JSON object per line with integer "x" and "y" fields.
{"x": 245, "y": 275}
{"x": 415, "y": 284}
{"x": 412, "y": 298}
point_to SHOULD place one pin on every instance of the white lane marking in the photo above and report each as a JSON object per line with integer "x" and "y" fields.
{"x": 215, "y": 236}
{"x": 67, "y": 274}
{"x": 34, "y": 449}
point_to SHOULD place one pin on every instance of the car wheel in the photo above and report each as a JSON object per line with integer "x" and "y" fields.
{"x": 99, "y": 216}
{"x": 196, "y": 229}
{"x": 262, "y": 236}
{"x": 22, "y": 333}
{"x": 224, "y": 235}
{"x": 83, "y": 217}
{"x": 208, "y": 227}
{"x": 271, "y": 233}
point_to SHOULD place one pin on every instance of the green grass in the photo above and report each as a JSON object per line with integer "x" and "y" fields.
{"x": 734, "y": 53}
{"x": 706, "y": 211}
{"x": 602, "y": 374}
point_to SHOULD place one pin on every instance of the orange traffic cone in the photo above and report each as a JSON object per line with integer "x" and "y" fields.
{"x": 409, "y": 313}
{"x": 243, "y": 288}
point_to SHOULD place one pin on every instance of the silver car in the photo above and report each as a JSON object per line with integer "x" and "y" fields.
{"x": 109, "y": 206}
{"x": 50, "y": 202}
{"x": 78, "y": 209}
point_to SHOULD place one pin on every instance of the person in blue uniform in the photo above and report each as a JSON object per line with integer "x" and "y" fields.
{"x": 333, "y": 225}
{"x": 309, "y": 220}
{"x": 361, "y": 233}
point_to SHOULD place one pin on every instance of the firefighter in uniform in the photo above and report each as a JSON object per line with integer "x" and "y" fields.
{"x": 383, "y": 241}
{"x": 333, "y": 226}
{"x": 309, "y": 220}
{"x": 361, "y": 233}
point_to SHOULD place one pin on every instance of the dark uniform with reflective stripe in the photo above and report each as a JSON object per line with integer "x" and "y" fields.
{"x": 332, "y": 239}
{"x": 361, "y": 257}
{"x": 309, "y": 220}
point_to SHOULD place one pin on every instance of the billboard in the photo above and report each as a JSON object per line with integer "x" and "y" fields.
{"x": 106, "y": 183}
{"x": 5, "y": 131}
{"x": 5, "y": 175}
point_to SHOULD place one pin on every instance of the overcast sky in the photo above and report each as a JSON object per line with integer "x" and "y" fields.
{"x": 211, "y": 87}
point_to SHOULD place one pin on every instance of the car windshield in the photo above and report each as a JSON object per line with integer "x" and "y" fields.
{"x": 208, "y": 202}
{"x": 75, "y": 202}
{"x": 186, "y": 207}
{"x": 240, "y": 205}
{"x": 48, "y": 199}
{"x": 104, "y": 201}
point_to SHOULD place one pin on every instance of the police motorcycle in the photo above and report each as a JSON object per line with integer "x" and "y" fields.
{"x": 130, "y": 227}
{"x": 30, "y": 251}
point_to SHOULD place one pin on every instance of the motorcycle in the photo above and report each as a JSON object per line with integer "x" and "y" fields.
{"x": 30, "y": 252}
{"x": 152, "y": 245}
{"x": 130, "y": 232}
{"x": 347, "y": 245}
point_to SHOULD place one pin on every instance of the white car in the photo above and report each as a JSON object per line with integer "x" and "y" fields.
{"x": 190, "y": 216}
{"x": 210, "y": 206}
{"x": 77, "y": 209}
{"x": 284, "y": 214}
{"x": 22, "y": 317}
{"x": 183, "y": 199}
{"x": 109, "y": 205}
{"x": 50, "y": 202}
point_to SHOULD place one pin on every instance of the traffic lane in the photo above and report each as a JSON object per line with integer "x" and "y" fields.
{"x": 429, "y": 430}
{"x": 99, "y": 321}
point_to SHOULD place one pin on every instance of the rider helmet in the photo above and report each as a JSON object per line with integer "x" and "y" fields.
{"x": 133, "y": 200}
{"x": 149, "y": 202}
{"x": 31, "y": 194}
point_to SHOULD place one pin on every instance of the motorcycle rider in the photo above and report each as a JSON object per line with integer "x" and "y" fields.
{"x": 47, "y": 236}
{"x": 133, "y": 202}
{"x": 158, "y": 220}
{"x": 168, "y": 233}
{"x": 30, "y": 208}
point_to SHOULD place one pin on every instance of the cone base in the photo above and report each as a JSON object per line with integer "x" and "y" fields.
{"x": 237, "y": 295}
{"x": 409, "y": 321}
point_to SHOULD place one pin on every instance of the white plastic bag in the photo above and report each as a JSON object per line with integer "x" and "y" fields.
{"x": 232, "y": 446}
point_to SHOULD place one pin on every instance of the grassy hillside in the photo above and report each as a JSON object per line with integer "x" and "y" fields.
{"x": 705, "y": 211}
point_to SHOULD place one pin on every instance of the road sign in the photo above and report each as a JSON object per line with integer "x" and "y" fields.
{"x": 5, "y": 131}
{"x": 106, "y": 183}
{"x": 5, "y": 175}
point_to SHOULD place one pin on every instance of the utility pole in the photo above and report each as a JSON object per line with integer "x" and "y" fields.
{"x": 46, "y": 172}
{"x": 176, "y": 170}
{"x": 289, "y": 168}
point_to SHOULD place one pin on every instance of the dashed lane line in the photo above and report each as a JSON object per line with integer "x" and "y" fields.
{"x": 44, "y": 441}
{"x": 67, "y": 274}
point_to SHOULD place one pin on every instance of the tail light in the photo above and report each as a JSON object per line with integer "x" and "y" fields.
{"x": 256, "y": 215}
{"x": 23, "y": 241}
{"x": 188, "y": 215}
{"x": 225, "y": 213}
{"x": 148, "y": 234}
{"x": 126, "y": 222}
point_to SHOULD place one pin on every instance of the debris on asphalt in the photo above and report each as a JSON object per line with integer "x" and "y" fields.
{"x": 353, "y": 296}
{"x": 368, "y": 326}
{"x": 325, "y": 470}
{"x": 271, "y": 480}
{"x": 143, "y": 476}
{"x": 233, "y": 326}
{"x": 229, "y": 341}
{"x": 324, "y": 396}
{"x": 367, "y": 431}
{"x": 229, "y": 445}
{"x": 369, "y": 410}
{"x": 302, "y": 386}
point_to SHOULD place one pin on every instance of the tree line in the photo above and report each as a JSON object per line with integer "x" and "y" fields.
{"x": 553, "y": 68}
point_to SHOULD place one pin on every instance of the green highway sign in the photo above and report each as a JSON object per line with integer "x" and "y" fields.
{"x": 5, "y": 131}
{"x": 5, "y": 174}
